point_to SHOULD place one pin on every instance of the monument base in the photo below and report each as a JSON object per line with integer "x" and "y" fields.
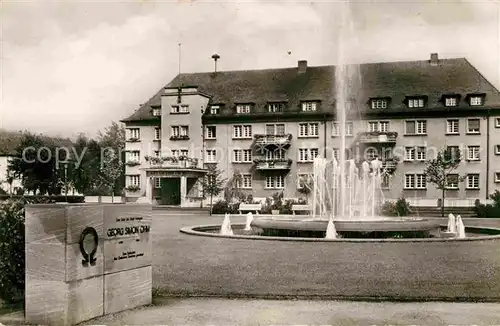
{"x": 86, "y": 260}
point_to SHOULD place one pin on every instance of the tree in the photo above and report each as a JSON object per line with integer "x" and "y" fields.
{"x": 232, "y": 189}
{"x": 438, "y": 170}
{"x": 36, "y": 164}
{"x": 86, "y": 171}
{"x": 213, "y": 183}
{"x": 111, "y": 170}
{"x": 113, "y": 138}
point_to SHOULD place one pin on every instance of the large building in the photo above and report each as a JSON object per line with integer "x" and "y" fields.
{"x": 268, "y": 125}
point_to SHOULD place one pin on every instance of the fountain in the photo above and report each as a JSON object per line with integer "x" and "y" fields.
{"x": 460, "y": 227}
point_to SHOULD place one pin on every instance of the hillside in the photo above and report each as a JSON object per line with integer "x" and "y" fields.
{"x": 9, "y": 140}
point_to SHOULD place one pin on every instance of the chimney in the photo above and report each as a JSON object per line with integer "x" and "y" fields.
{"x": 302, "y": 67}
{"x": 434, "y": 59}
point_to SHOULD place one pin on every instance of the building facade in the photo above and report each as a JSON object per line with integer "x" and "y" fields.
{"x": 267, "y": 126}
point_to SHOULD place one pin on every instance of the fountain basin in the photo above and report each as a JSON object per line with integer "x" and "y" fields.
{"x": 347, "y": 225}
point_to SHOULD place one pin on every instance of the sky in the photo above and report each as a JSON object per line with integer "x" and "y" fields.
{"x": 73, "y": 67}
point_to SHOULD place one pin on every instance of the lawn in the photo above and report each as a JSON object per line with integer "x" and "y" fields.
{"x": 192, "y": 265}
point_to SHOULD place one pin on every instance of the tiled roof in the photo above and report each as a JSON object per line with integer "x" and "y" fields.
{"x": 396, "y": 80}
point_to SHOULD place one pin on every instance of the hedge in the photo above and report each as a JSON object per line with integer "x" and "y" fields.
{"x": 45, "y": 198}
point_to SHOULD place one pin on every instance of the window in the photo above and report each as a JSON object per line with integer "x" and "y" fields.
{"x": 473, "y": 153}
{"x": 243, "y": 108}
{"x": 420, "y": 181}
{"x": 415, "y": 181}
{"x": 382, "y": 126}
{"x": 452, "y": 181}
{"x": 348, "y": 129}
{"x": 242, "y": 131}
{"x": 309, "y": 106}
{"x": 134, "y": 180}
{"x": 453, "y": 151}
{"x": 416, "y": 127}
{"x": 476, "y": 100}
{"x": 416, "y": 103}
{"x": 211, "y": 156}
{"x": 157, "y": 133}
{"x": 275, "y": 129}
{"x": 379, "y": 104}
{"x": 157, "y": 182}
{"x": 472, "y": 181}
{"x": 452, "y": 126}
{"x": 242, "y": 155}
{"x": 134, "y": 133}
{"x": 497, "y": 176}
{"x": 409, "y": 153}
{"x": 134, "y": 156}
{"x": 214, "y": 109}
{"x": 247, "y": 155}
{"x": 336, "y": 154}
{"x": 179, "y": 152}
{"x": 275, "y": 107}
{"x": 308, "y": 129}
{"x": 473, "y": 126}
{"x": 308, "y": 154}
{"x": 182, "y": 108}
{"x": 211, "y": 132}
{"x": 386, "y": 181}
{"x": 303, "y": 178}
{"x": 275, "y": 155}
{"x": 497, "y": 122}
{"x": 275, "y": 182}
{"x": 156, "y": 112}
{"x": 450, "y": 101}
{"x": 178, "y": 131}
{"x": 497, "y": 149}
{"x": 245, "y": 182}
{"x": 409, "y": 181}
{"x": 421, "y": 153}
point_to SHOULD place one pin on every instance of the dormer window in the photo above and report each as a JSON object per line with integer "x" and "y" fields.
{"x": 415, "y": 102}
{"x": 275, "y": 107}
{"x": 214, "y": 109}
{"x": 309, "y": 106}
{"x": 156, "y": 112}
{"x": 450, "y": 101}
{"x": 243, "y": 108}
{"x": 476, "y": 100}
{"x": 378, "y": 103}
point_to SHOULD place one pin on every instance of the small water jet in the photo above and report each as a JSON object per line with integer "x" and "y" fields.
{"x": 248, "y": 223}
{"x": 331, "y": 233}
{"x": 225, "y": 228}
{"x": 460, "y": 227}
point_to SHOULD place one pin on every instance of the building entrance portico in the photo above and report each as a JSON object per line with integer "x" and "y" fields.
{"x": 177, "y": 187}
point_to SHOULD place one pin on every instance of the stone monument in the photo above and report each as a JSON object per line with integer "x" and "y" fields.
{"x": 86, "y": 260}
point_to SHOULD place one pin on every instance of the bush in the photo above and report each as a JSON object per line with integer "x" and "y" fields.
{"x": 12, "y": 251}
{"x": 400, "y": 208}
{"x": 12, "y": 254}
{"x": 223, "y": 207}
{"x": 45, "y": 199}
{"x": 488, "y": 210}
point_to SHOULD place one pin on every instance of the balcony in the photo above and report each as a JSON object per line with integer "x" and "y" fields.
{"x": 377, "y": 137}
{"x": 173, "y": 162}
{"x": 267, "y": 141}
{"x": 272, "y": 164}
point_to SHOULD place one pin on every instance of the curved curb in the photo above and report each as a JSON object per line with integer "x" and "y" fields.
{"x": 200, "y": 230}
